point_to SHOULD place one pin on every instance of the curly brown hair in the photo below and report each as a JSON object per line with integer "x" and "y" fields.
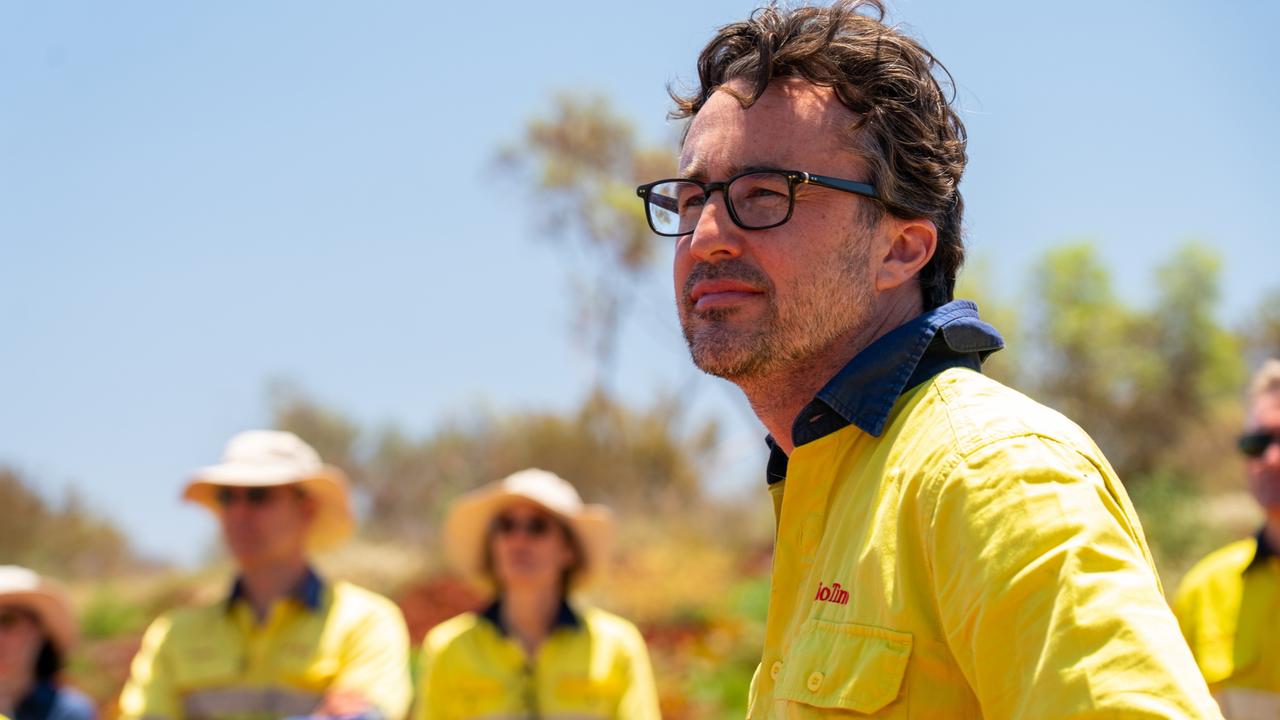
{"x": 906, "y": 131}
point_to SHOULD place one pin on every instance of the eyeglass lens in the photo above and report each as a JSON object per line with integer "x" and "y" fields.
{"x": 535, "y": 526}
{"x": 251, "y": 495}
{"x": 11, "y": 618}
{"x": 1254, "y": 444}
{"x": 756, "y": 201}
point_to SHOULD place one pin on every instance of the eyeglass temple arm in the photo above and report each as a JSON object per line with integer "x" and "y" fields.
{"x": 834, "y": 183}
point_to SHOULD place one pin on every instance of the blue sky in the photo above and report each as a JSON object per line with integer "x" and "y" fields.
{"x": 196, "y": 199}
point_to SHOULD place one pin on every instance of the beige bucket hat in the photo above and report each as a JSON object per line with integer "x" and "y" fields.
{"x": 467, "y": 526}
{"x": 256, "y": 458}
{"x": 44, "y": 598}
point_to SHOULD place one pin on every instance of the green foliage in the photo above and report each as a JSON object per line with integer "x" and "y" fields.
{"x": 1167, "y": 504}
{"x": 639, "y": 461}
{"x": 1139, "y": 380}
{"x": 976, "y": 284}
{"x": 582, "y": 163}
{"x": 109, "y": 615}
{"x": 1264, "y": 330}
{"x": 65, "y": 540}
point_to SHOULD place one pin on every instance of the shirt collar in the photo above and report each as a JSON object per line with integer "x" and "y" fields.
{"x": 309, "y": 592}
{"x": 1264, "y": 552}
{"x": 39, "y": 701}
{"x": 565, "y": 616}
{"x": 865, "y": 390}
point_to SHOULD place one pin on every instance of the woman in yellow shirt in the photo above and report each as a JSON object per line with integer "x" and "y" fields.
{"x": 529, "y": 541}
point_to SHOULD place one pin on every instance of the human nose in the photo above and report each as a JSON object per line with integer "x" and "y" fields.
{"x": 236, "y": 509}
{"x": 716, "y": 236}
{"x": 1271, "y": 456}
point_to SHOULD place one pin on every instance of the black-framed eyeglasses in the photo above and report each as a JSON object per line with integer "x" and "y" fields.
{"x": 755, "y": 199}
{"x": 535, "y": 526}
{"x": 1254, "y": 444}
{"x": 11, "y": 617}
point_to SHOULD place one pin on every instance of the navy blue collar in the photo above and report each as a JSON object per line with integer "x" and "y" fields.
{"x": 309, "y": 591}
{"x": 38, "y": 703}
{"x": 565, "y": 616}
{"x": 1264, "y": 551}
{"x": 865, "y": 390}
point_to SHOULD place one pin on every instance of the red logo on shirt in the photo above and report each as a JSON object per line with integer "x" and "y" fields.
{"x": 834, "y": 594}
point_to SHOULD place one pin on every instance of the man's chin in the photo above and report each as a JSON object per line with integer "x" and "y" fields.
{"x": 732, "y": 366}
{"x": 721, "y": 351}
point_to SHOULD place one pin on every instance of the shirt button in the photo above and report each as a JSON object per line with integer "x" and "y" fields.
{"x": 775, "y": 670}
{"x": 815, "y": 681}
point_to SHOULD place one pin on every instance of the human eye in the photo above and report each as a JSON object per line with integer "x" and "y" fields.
{"x": 766, "y": 188}
{"x": 691, "y": 197}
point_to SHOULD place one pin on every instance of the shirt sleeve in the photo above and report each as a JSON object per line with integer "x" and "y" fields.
{"x": 1184, "y": 609}
{"x": 149, "y": 692}
{"x": 432, "y": 689}
{"x": 640, "y": 701}
{"x": 376, "y": 660}
{"x": 1048, "y": 597}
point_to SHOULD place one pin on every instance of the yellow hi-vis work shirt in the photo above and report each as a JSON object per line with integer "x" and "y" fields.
{"x": 977, "y": 558}
{"x": 593, "y": 666}
{"x": 217, "y": 663}
{"x": 1228, "y": 605}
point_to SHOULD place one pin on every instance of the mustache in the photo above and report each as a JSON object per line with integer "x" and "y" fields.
{"x": 736, "y": 269}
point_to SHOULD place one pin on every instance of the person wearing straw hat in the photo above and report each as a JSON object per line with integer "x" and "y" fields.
{"x": 529, "y": 541}
{"x": 37, "y": 631}
{"x": 285, "y": 642}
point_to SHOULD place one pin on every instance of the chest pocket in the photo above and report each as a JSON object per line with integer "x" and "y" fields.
{"x": 843, "y": 667}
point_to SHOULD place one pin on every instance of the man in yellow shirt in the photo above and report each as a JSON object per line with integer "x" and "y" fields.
{"x": 1229, "y": 601}
{"x": 946, "y": 547}
{"x": 284, "y": 642}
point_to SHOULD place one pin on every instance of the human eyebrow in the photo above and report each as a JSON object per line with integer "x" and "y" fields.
{"x": 742, "y": 170}
{"x": 694, "y": 170}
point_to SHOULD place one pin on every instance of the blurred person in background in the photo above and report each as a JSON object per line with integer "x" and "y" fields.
{"x": 1229, "y": 600}
{"x": 37, "y": 630}
{"x": 529, "y": 541}
{"x": 946, "y": 546}
{"x": 284, "y": 642}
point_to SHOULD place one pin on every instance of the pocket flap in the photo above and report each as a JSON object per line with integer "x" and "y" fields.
{"x": 844, "y": 666}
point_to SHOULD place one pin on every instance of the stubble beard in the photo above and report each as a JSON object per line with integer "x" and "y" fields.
{"x": 837, "y": 301}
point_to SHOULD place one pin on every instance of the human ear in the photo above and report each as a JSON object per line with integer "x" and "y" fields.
{"x": 911, "y": 245}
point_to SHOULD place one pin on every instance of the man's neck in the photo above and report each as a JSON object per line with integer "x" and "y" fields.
{"x": 265, "y": 584}
{"x": 528, "y": 613}
{"x": 778, "y": 397}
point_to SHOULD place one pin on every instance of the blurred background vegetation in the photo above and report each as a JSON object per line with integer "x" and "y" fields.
{"x": 1159, "y": 387}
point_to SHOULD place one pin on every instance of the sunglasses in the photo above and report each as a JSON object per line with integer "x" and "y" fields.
{"x": 535, "y": 527}
{"x": 1254, "y": 444}
{"x": 11, "y": 618}
{"x": 254, "y": 496}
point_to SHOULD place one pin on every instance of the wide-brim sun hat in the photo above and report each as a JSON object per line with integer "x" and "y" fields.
{"x": 44, "y": 598}
{"x": 466, "y": 528}
{"x": 261, "y": 458}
